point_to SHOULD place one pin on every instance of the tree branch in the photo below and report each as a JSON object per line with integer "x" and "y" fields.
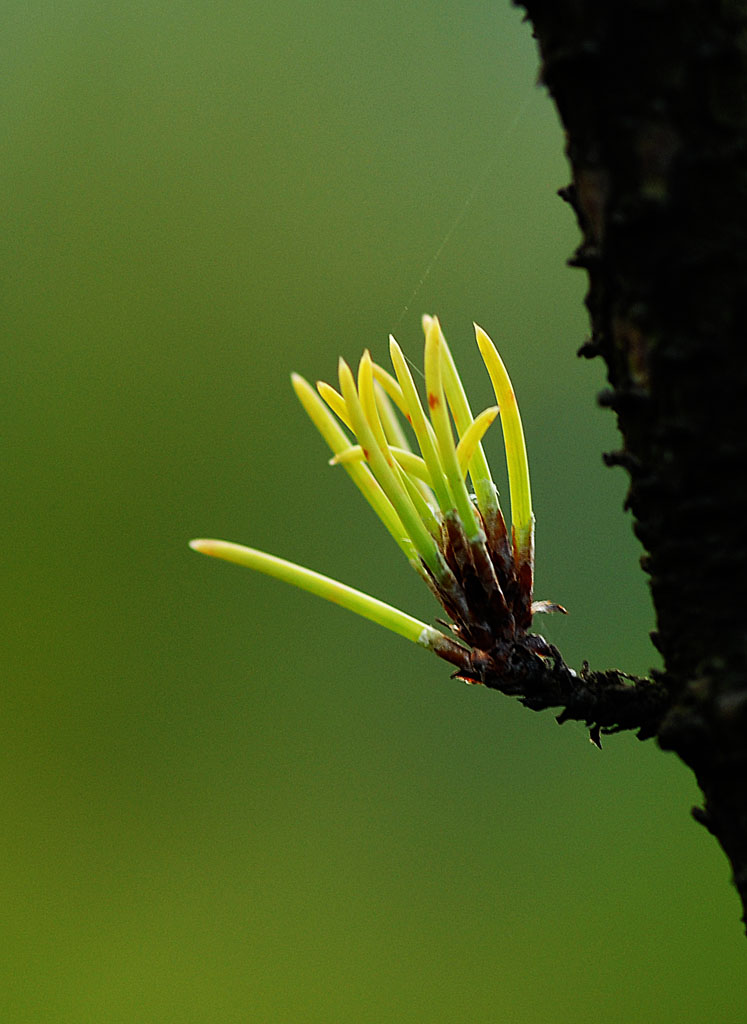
{"x": 607, "y": 702}
{"x": 653, "y": 98}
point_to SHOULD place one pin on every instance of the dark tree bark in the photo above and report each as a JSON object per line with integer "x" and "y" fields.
{"x": 653, "y": 98}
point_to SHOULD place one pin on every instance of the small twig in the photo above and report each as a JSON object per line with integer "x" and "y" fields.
{"x": 606, "y": 701}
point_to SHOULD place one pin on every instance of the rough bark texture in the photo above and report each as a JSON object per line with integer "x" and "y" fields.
{"x": 653, "y": 98}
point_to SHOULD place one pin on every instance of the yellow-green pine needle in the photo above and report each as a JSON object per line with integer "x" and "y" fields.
{"x": 516, "y": 452}
{"x": 421, "y": 426}
{"x": 412, "y": 464}
{"x": 352, "y": 454}
{"x": 331, "y": 590}
{"x": 482, "y": 481}
{"x": 392, "y": 430}
{"x": 424, "y": 508}
{"x": 387, "y": 477}
{"x": 359, "y": 473}
{"x": 414, "y": 474}
{"x": 335, "y": 401}
{"x": 392, "y": 388}
{"x": 442, "y": 427}
{"x": 367, "y": 397}
{"x": 473, "y": 435}
{"x": 395, "y": 435}
{"x": 368, "y": 391}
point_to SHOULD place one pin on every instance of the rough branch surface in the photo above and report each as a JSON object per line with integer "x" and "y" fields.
{"x": 653, "y": 98}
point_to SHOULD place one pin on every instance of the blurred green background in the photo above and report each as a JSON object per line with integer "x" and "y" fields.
{"x": 224, "y": 800}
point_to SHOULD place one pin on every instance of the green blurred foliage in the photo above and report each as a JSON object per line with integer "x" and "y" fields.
{"x": 222, "y": 800}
